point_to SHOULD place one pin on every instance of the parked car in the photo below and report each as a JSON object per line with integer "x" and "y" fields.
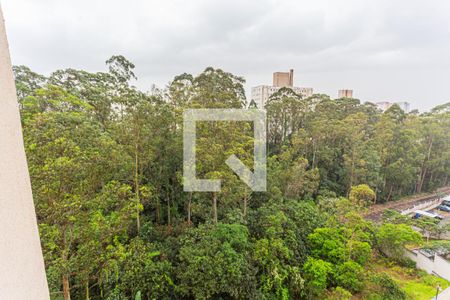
{"x": 446, "y": 202}
{"x": 421, "y": 213}
{"x": 444, "y": 208}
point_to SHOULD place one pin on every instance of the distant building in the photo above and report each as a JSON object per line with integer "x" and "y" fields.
{"x": 385, "y": 105}
{"x": 345, "y": 94}
{"x": 261, "y": 94}
{"x": 405, "y": 106}
{"x": 283, "y": 79}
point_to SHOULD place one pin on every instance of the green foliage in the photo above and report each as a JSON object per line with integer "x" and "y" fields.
{"x": 359, "y": 252}
{"x": 394, "y": 217}
{"x": 392, "y": 239}
{"x": 145, "y": 272}
{"x": 340, "y": 294}
{"x": 213, "y": 261}
{"x": 289, "y": 220}
{"x": 442, "y": 246}
{"x": 328, "y": 244}
{"x": 282, "y": 230}
{"x": 317, "y": 273}
{"x": 350, "y": 276}
{"x": 105, "y": 161}
{"x": 278, "y": 279}
{"x": 362, "y": 195}
{"x": 138, "y": 296}
{"x": 387, "y": 288}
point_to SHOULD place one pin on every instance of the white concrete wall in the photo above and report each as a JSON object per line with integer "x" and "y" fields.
{"x": 442, "y": 267}
{"x": 422, "y": 262}
{"x": 22, "y": 272}
{"x": 437, "y": 265}
{"x": 422, "y": 206}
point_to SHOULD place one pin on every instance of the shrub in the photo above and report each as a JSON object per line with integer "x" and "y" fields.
{"x": 316, "y": 273}
{"x": 392, "y": 239}
{"x": 350, "y": 276}
{"x": 340, "y": 294}
{"x": 362, "y": 195}
{"x": 359, "y": 251}
{"x": 388, "y": 288}
{"x": 408, "y": 263}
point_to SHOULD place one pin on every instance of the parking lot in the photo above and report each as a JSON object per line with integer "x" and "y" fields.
{"x": 444, "y": 214}
{"x": 446, "y": 220}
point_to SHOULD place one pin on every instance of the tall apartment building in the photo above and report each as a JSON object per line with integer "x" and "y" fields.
{"x": 385, "y": 105}
{"x": 345, "y": 94}
{"x": 261, "y": 94}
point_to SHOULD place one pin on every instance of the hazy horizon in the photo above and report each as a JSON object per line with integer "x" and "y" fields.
{"x": 383, "y": 51}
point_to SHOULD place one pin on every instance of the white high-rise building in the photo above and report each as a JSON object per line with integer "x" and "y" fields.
{"x": 261, "y": 94}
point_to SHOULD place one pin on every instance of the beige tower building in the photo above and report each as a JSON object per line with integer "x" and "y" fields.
{"x": 283, "y": 79}
{"x": 345, "y": 94}
{"x": 22, "y": 272}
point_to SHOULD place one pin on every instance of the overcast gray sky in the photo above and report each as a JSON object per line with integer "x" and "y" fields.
{"x": 394, "y": 50}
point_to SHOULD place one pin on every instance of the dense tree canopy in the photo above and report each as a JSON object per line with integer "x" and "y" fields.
{"x": 106, "y": 166}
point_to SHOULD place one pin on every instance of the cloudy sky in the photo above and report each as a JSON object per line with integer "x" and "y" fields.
{"x": 394, "y": 50}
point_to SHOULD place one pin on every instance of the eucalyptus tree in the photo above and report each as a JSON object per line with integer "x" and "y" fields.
{"x": 70, "y": 160}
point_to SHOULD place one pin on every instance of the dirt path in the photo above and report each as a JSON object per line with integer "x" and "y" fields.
{"x": 376, "y": 211}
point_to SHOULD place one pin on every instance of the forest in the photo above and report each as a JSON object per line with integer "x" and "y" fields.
{"x": 106, "y": 166}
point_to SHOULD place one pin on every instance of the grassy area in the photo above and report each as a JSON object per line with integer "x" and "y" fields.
{"x": 417, "y": 284}
{"x": 425, "y": 288}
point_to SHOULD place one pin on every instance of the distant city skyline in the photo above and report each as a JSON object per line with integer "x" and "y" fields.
{"x": 383, "y": 50}
{"x": 260, "y": 94}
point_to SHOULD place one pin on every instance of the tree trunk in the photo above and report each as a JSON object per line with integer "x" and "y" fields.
{"x": 390, "y": 194}
{"x": 66, "y": 287}
{"x": 136, "y": 185}
{"x": 423, "y": 170}
{"x": 214, "y": 208}
{"x": 352, "y": 172}
{"x": 314, "y": 154}
{"x": 430, "y": 181}
{"x": 168, "y": 211}
{"x": 189, "y": 208}
{"x": 422, "y": 180}
{"x": 87, "y": 290}
{"x": 158, "y": 211}
{"x": 245, "y": 205}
